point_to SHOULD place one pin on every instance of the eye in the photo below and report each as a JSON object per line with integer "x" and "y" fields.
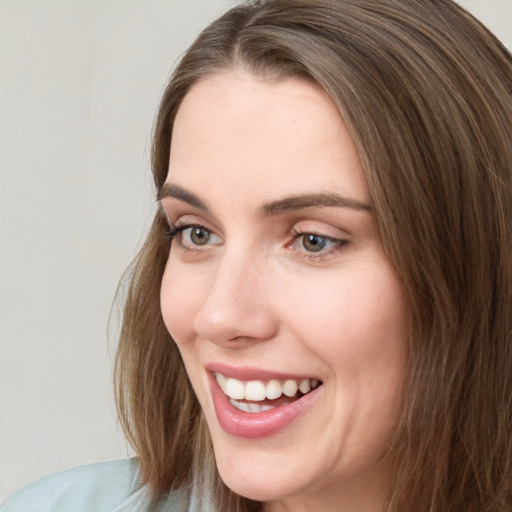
{"x": 191, "y": 236}
{"x": 315, "y": 246}
{"x": 314, "y": 243}
{"x": 196, "y": 235}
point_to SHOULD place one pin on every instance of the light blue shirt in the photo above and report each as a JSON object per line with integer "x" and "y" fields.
{"x": 104, "y": 487}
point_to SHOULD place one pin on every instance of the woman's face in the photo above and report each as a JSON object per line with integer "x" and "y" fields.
{"x": 277, "y": 279}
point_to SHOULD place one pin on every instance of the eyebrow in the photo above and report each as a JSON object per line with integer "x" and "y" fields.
{"x": 288, "y": 204}
{"x": 303, "y": 201}
{"x": 170, "y": 190}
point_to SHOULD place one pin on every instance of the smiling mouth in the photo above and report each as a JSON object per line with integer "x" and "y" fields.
{"x": 259, "y": 396}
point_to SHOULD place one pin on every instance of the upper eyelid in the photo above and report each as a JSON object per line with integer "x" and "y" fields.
{"x": 190, "y": 220}
{"x": 298, "y": 234}
{"x": 302, "y": 225}
{"x": 180, "y": 227}
{"x": 173, "y": 208}
{"x": 305, "y": 213}
{"x": 320, "y": 228}
{"x": 295, "y": 231}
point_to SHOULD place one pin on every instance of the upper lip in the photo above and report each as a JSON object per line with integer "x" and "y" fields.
{"x": 246, "y": 373}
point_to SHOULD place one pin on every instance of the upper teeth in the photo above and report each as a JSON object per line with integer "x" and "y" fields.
{"x": 257, "y": 390}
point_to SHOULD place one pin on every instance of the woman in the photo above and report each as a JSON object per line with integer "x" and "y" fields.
{"x": 320, "y": 316}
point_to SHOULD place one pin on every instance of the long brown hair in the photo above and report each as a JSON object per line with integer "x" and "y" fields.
{"x": 426, "y": 92}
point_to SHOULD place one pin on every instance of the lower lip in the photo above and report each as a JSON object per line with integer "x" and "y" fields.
{"x": 256, "y": 425}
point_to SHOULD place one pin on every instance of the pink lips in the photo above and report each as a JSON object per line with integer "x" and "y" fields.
{"x": 260, "y": 424}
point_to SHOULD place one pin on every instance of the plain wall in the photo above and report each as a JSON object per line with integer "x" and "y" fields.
{"x": 80, "y": 81}
{"x": 79, "y": 84}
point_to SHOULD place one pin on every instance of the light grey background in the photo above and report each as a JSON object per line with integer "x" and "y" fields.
{"x": 79, "y": 84}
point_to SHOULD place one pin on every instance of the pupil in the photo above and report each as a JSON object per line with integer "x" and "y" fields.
{"x": 314, "y": 243}
{"x": 199, "y": 236}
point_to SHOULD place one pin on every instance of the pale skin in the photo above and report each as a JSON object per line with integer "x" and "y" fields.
{"x": 301, "y": 285}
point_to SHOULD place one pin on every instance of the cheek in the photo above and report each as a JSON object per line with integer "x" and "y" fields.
{"x": 357, "y": 310}
{"x": 179, "y": 299}
{"x": 358, "y": 327}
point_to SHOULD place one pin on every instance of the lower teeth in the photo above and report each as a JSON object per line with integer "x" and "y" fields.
{"x": 247, "y": 407}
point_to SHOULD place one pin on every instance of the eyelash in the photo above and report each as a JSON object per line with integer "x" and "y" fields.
{"x": 339, "y": 244}
{"x": 175, "y": 231}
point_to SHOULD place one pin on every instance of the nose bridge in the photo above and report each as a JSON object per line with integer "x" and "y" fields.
{"x": 235, "y": 307}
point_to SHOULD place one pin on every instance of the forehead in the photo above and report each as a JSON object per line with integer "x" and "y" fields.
{"x": 235, "y": 130}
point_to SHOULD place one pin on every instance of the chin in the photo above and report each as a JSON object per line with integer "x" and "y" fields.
{"x": 258, "y": 473}
{"x": 256, "y": 484}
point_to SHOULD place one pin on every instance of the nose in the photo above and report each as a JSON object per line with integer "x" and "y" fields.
{"x": 237, "y": 307}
